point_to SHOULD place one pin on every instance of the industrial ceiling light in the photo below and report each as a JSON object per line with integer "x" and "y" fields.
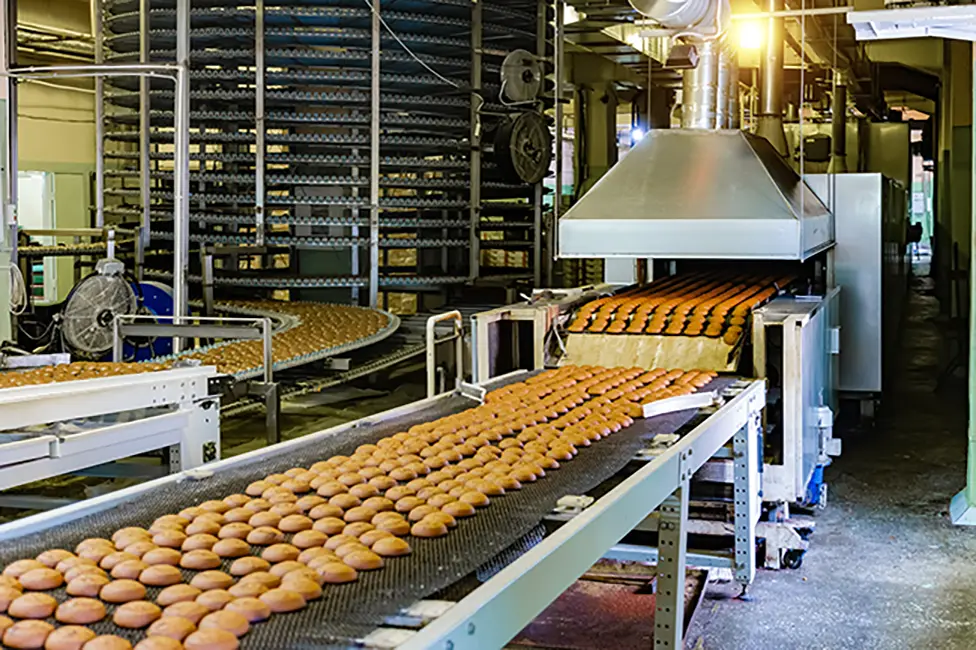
{"x": 750, "y": 34}
{"x": 570, "y": 15}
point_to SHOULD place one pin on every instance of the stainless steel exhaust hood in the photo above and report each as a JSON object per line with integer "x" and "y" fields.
{"x": 698, "y": 194}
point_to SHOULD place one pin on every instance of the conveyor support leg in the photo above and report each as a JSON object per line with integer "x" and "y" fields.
{"x": 745, "y": 450}
{"x": 201, "y": 438}
{"x": 672, "y": 546}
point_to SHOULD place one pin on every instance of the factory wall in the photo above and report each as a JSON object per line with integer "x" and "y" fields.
{"x": 57, "y": 135}
{"x": 953, "y": 213}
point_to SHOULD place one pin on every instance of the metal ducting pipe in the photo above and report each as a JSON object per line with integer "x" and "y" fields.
{"x": 722, "y": 87}
{"x": 733, "y": 92}
{"x": 673, "y": 14}
{"x": 699, "y": 89}
{"x": 770, "y": 122}
{"x": 838, "y": 124}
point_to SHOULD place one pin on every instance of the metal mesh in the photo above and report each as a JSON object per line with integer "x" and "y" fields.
{"x": 346, "y": 613}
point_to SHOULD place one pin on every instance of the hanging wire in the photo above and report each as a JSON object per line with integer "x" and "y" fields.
{"x": 406, "y": 49}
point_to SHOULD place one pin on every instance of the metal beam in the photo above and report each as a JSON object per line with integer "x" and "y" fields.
{"x": 374, "y": 159}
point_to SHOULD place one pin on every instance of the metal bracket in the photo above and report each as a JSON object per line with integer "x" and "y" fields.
{"x": 659, "y": 444}
{"x": 573, "y": 504}
{"x": 472, "y": 391}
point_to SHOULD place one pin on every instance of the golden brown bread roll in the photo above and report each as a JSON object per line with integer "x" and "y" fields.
{"x": 208, "y": 580}
{"x": 250, "y": 608}
{"x": 231, "y": 548}
{"x": 161, "y": 575}
{"x": 89, "y": 584}
{"x": 177, "y": 594}
{"x": 227, "y": 620}
{"x": 136, "y": 615}
{"x": 122, "y": 591}
{"x": 309, "y": 539}
{"x": 128, "y": 569}
{"x": 168, "y": 556}
{"x": 329, "y": 525}
{"x": 336, "y": 572}
{"x": 32, "y": 605}
{"x": 68, "y": 637}
{"x": 20, "y": 567}
{"x": 308, "y": 588}
{"x": 197, "y": 542}
{"x": 282, "y": 600}
{"x": 215, "y": 599}
{"x": 7, "y": 596}
{"x": 200, "y": 560}
{"x": 363, "y": 560}
{"x": 191, "y": 611}
{"x": 80, "y": 611}
{"x": 390, "y": 547}
{"x": 159, "y": 643}
{"x": 27, "y": 634}
{"x": 280, "y": 553}
{"x": 107, "y": 642}
{"x": 173, "y": 627}
{"x": 236, "y": 530}
{"x": 212, "y": 639}
{"x": 52, "y": 557}
{"x": 250, "y": 564}
{"x": 247, "y": 589}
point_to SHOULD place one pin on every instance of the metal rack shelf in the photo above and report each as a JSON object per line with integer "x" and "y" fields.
{"x": 290, "y": 150}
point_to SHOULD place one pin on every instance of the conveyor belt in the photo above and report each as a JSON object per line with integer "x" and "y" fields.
{"x": 348, "y": 612}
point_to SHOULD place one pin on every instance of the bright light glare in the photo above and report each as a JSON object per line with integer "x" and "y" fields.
{"x": 636, "y": 134}
{"x": 750, "y": 34}
{"x": 570, "y": 15}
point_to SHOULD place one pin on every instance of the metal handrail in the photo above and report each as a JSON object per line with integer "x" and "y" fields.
{"x": 255, "y": 328}
{"x": 431, "y": 348}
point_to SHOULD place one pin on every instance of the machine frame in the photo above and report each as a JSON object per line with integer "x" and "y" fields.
{"x": 497, "y": 610}
{"x": 188, "y": 423}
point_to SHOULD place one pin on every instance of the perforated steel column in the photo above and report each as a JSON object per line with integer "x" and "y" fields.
{"x": 672, "y": 546}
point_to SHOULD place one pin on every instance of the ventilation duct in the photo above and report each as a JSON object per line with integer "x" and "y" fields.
{"x": 700, "y": 89}
{"x": 674, "y": 14}
{"x": 770, "y": 122}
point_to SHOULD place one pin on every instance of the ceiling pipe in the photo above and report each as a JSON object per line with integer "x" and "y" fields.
{"x": 700, "y": 89}
{"x": 838, "y": 124}
{"x": 734, "y": 115}
{"x": 770, "y": 119}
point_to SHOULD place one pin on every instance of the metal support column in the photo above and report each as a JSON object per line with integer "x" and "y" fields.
{"x": 476, "y": 102}
{"x": 542, "y": 28}
{"x": 374, "y": 161}
{"x": 558, "y": 72}
{"x": 145, "y": 168}
{"x": 97, "y": 30}
{"x": 181, "y": 167}
{"x": 746, "y": 464}
{"x": 259, "y": 128}
{"x": 669, "y": 617}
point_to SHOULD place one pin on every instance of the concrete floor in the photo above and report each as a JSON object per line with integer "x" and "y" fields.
{"x": 886, "y": 569}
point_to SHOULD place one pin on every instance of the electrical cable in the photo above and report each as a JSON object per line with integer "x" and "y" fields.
{"x": 18, "y": 285}
{"x": 406, "y": 49}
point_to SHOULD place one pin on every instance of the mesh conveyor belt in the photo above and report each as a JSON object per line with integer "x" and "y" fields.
{"x": 348, "y": 612}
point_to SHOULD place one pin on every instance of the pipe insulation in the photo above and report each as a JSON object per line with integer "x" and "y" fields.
{"x": 723, "y": 72}
{"x": 699, "y": 89}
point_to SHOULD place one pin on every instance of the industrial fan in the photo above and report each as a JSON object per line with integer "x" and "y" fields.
{"x": 89, "y": 311}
